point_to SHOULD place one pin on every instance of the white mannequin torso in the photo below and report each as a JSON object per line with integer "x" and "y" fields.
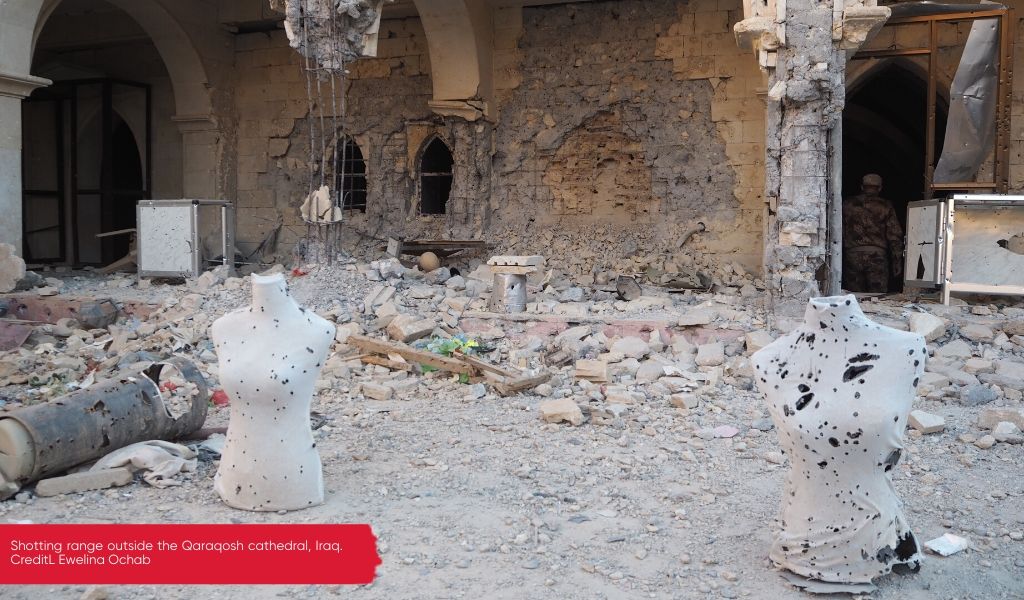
{"x": 270, "y": 356}
{"x": 839, "y": 389}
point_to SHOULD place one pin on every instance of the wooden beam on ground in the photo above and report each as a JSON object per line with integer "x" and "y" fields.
{"x": 411, "y": 354}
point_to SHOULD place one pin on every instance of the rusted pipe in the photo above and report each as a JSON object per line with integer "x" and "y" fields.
{"x": 689, "y": 233}
{"x": 49, "y": 438}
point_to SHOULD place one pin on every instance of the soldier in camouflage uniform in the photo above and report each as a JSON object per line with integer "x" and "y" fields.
{"x": 872, "y": 240}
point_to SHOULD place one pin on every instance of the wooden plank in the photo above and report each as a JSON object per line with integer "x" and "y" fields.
{"x": 411, "y": 354}
{"x": 371, "y": 359}
{"x": 484, "y": 365}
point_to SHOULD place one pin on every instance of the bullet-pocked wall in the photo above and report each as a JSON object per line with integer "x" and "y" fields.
{"x": 623, "y": 124}
{"x": 614, "y": 127}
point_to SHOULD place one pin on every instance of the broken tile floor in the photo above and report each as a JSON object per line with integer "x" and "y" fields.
{"x": 667, "y": 489}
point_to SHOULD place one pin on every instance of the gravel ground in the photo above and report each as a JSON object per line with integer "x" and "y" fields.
{"x": 478, "y": 498}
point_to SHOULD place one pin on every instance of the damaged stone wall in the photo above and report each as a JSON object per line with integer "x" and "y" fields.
{"x": 633, "y": 120}
{"x": 628, "y": 117}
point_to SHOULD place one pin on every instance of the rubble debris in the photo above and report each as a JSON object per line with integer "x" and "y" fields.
{"x": 947, "y": 544}
{"x": 592, "y": 370}
{"x": 409, "y": 328}
{"x": 45, "y": 439}
{"x": 1007, "y": 433}
{"x": 976, "y": 395}
{"x": 990, "y": 417}
{"x": 84, "y": 481}
{"x": 269, "y": 461}
{"x": 318, "y": 207}
{"x": 755, "y": 340}
{"x": 13, "y": 334}
{"x": 627, "y": 288}
{"x": 927, "y": 324}
{"x": 158, "y": 460}
{"x": 98, "y": 314}
{"x": 563, "y": 409}
{"x": 12, "y": 268}
{"x": 926, "y": 422}
{"x": 376, "y": 391}
{"x": 331, "y": 32}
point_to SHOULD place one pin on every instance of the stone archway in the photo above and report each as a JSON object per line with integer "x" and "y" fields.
{"x": 176, "y": 48}
{"x": 460, "y": 39}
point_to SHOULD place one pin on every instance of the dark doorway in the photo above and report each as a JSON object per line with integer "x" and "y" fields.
{"x": 884, "y": 133}
{"x": 435, "y": 178}
{"x": 127, "y": 185}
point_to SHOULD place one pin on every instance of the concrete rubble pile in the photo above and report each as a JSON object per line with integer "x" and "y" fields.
{"x": 673, "y": 368}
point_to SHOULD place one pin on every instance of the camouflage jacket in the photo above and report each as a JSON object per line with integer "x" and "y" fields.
{"x": 871, "y": 221}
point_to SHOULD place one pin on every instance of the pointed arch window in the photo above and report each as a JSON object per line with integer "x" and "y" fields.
{"x": 351, "y": 175}
{"x": 435, "y": 177}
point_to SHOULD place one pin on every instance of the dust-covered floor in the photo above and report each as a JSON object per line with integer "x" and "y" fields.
{"x": 477, "y": 497}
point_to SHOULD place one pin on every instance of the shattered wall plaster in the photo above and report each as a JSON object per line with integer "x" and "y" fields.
{"x": 632, "y": 135}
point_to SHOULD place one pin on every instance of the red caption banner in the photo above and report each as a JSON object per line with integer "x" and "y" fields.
{"x": 192, "y": 554}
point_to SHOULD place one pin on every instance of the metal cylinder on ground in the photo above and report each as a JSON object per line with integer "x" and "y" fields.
{"x": 509, "y": 293}
{"x": 49, "y": 438}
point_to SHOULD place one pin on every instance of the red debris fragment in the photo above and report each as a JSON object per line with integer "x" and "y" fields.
{"x": 297, "y": 272}
{"x": 219, "y": 398}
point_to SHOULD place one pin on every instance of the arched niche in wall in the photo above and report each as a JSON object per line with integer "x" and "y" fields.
{"x": 435, "y": 169}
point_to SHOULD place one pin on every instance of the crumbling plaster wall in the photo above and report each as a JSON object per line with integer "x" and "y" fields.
{"x": 385, "y": 111}
{"x": 632, "y": 121}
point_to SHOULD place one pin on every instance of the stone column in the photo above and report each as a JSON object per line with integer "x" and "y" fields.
{"x": 803, "y": 45}
{"x": 805, "y": 101}
{"x": 13, "y": 88}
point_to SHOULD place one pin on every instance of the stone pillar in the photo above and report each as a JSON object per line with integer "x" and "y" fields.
{"x": 803, "y": 45}
{"x": 805, "y": 101}
{"x": 13, "y": 88}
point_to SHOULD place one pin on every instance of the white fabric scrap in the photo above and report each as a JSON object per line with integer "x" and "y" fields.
{"x": 947, "y": 544}
{"x": 160, "y": 460}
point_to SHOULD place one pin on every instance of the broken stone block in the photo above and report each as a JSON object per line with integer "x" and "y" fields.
{"x": 755, "y": 340}
{"x": 632, "y": 347}
{"x": 343, "y": 332}
{"x": 97, "y": 315}
{"x": 990, "y": 417}
{"x": 617, "y": 394}
{"x": 12, "y": 268}
{"x": 592, "y": 370}
{"x": 377, "y": 296}
{"x": 408, "y": 328}
{"x": 985, "y": 442}
{"x": 978, "y": 365}
{"x": 976, "y": 395}
{"x": 710, "y": 355}
{"x": 650, "y": 372}
{"x": 687, "y": 401}
{"x": 84, "y": 482}
{"x": 955, "y": 349}
{"x": 928, "y": 325}
{"x": 377, "y": 391}
{"x": 926, "y": 422}
{"x": 627, "y": 288}
{"x": 1007, "y": 433}
{"x": 697, "y": 316}
{"x": 977, "y": 333}
{"x": 563, "y": 409}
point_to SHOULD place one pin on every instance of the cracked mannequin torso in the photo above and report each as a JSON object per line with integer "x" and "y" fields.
{"x": 839, "y": 389}
{"x": 270, "y": 356}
